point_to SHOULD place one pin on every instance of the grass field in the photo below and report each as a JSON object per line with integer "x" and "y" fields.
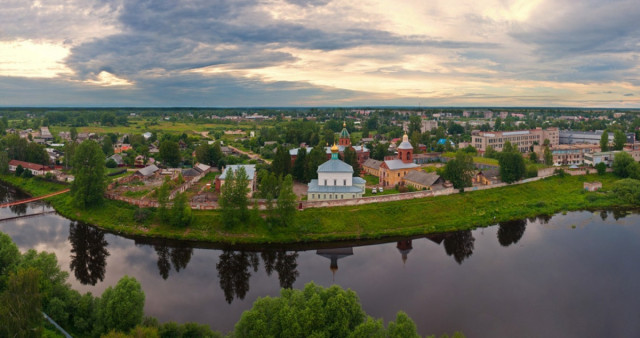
{"x": 402, "y": 218}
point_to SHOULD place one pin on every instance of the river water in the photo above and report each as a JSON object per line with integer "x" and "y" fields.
{"x": 573, "y": 275}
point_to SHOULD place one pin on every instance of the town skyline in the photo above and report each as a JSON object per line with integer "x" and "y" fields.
{"x": 319, "y": 53}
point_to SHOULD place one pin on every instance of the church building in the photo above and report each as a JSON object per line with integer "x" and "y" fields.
{"x": 335, "y": 181}
{"x": 393, "y": 171}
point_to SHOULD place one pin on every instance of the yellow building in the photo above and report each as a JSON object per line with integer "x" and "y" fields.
{"x": 393, "y": 171}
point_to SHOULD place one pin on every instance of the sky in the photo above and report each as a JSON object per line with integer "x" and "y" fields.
{"x": 275, "y": 53}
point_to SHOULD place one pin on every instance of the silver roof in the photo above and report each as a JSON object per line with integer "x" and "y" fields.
{"x": 335, "y": 166}
{"x": 250, "y": 169}
{"x": 315, "y": 188}
{"x": 398, "y": 164}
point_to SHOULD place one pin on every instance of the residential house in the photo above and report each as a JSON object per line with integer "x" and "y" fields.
{"x": 486, "y": 177}
{"x": 36, "y": 169}
{"x": 422, "y": 180}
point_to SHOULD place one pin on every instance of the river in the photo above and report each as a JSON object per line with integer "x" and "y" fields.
{"x": 571, "y": 275}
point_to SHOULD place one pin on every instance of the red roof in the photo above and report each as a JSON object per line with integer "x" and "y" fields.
{"x": 28, "y": 165}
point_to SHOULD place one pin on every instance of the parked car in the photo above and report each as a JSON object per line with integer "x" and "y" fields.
{"x": 373, "y": 191}
{"x": 380, "y": 189}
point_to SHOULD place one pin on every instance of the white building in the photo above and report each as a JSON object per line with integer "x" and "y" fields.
{"x": 335, "y": 181}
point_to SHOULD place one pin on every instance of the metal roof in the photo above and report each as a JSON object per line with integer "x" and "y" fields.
{"x": 398, "y": 164}
{"x": 250, "y": 169}
{"x": 335, "y": 166}
{"x": 315, "y": 188}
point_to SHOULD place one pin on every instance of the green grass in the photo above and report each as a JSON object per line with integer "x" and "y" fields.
{"x": 401, "y": 218}
{"x": 476, "y": 159}
{"x": 372, "y": 180}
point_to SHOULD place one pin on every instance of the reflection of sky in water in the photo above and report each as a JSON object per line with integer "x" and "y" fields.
{"x": 554, "y": 281}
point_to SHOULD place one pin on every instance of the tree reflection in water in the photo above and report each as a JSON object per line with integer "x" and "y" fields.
{"x": 88, "y": 253}
{"x": 459, "y": 244}
{"x": 284, "y": 263}
{"x": 233, "y": 272}
{"x": 178, "y": 256}
{"x": 510, "y": 232}
{"x": 603, "y": 215}
{"x": 19, "y": 209}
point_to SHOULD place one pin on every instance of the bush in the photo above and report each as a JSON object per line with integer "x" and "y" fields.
{"x": 601, "y": 168}
{"x": 111, "y": 163}
{"x": 627, "y": 190}
{"x": 141, "y": 215}
{"x": 532, "y": 171}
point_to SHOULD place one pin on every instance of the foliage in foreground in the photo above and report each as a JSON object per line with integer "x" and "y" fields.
{"x": 317, "y": 312}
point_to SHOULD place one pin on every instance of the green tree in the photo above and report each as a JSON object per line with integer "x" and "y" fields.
{"x": 107, "y": 146}
{"x": 281, "y": 164}
{"x": 286, "y": 204}
{"x": 88, "y": 185}
{"x": 170, "y": 153}
{"x": 233, "y": 200}
{"x": 604, "y": 141}
{"x": 312, "y": 312}
{"x": 403, "y": 327}
{"x": 415, "y": 124}
{"x": 180, "y": 211}
{"x": 548, "y": 156}
{"x": 351, "y": 158}
{"x": 20, "y": 305}
{"x": 619, "y": 139}
{"x": 73, "y": 133}
{"x": 268, "y": 185}
{"x": 4, "y": 163}
{"x": 121, "y": 308}
{"x": 299, "y": 165}
{"x": 533, "y": 157}
{"x": 512, "y": 166}
{"x": 9, "y": 256}
{"x": 601, "y": 168}
{"x": 163, "y": 198}
{"x": 317, "y": 156}
{"x": 370, "y": 328}
{"x": 379, "y": 151}
{"x": 203, "y": 153}
{"x": 491, "y": 152}
{"x": 628, "y": 190}
{"x": 460, "y": 170}
{"x": 624, "y": 166}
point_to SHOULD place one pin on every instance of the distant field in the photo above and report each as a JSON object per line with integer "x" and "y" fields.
{"x": 142, "y": 126}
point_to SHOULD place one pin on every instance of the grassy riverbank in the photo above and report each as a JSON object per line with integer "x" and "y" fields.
{"x": 402, "y": 218}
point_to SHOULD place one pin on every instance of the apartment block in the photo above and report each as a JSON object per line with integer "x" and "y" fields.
{"x": 521, "y": 139}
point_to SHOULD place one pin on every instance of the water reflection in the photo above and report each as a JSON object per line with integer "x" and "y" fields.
{"x": 511, "y": 232}
{"x": 405, "y": 248}
{"x": 178, "y": 256}
{"x": 233, "y": 272}
{"x": 285, "y": 264}
{"x": 333, "y": 255}
{"x": 459, "y": 245}
{"x": 88, "y": 253}
{"x": 19, "y": 209}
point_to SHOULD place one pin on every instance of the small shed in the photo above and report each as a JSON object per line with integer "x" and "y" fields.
{"x": 592, "y": 186}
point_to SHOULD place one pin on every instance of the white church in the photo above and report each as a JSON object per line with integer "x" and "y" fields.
{"x": 335, "y": 181}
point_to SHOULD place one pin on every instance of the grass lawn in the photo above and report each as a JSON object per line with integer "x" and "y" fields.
{"x": 401, "y": 218}
{"x": 372, "y": 180}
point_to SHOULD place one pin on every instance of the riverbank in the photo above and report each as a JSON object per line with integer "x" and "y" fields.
{"x": 403, "y": 218}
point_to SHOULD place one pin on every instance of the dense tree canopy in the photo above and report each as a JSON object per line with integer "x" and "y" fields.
{"x": 317, "y": 312}
{"x": 233, "y": 200}
{"x": 459, "y": 170}
{"x": 88, "y": 168}
{"x": 170, "y": 153}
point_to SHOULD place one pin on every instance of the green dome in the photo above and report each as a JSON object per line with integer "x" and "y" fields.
{"x": 344, "y": 133}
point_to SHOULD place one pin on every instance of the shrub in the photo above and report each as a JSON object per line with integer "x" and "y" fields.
{"x": 111, "y": 163}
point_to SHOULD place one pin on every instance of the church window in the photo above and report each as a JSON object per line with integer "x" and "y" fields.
{"x": 325, "y": 182}
{"x": 344, "y": 182}
{"x": 335, "y": 182}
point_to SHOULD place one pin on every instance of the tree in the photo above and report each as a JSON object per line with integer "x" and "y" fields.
{"x": 281, "y": 164}
{"x": 604, "y": 141}
{"x": 351, "y": 158}
{"x": 233, "y": 200}
{"x": 415, "y": 124}
{"x": 299, "y": 165}
{"x": 624, "y": 166}
{"x": 180, "y": 211}
{"x": 619, "y": 139}
{"x": 73, "y": 133}
{"x": 286, "y": 205}
{"x": 533, "y": 157}
{"x": 314, "y": 312}
{"x": 548, "y": 156}
{"x": 203, "y": 154}
{"x": 317, "y": 156}
{"x": 403, "y": 327}
{"x": 460, "y": 170}
{"x": 512, "y": 167}
{"x": 491, "y": 152}
{"x": 107, "y": 146}
{"x": 9, "y": 255}
{"x": 379, "y": 151}
{"x": 601, "y": 168}
{"x": 4, "y": 163}
{"x": 20, "y": 305}
{"x": 122, "y": 307}
{"x": 88, "y": 185}
{"x": 88, "y": 253}
{"x": 163, "y": 198}
{"x": 170, "y": 153}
